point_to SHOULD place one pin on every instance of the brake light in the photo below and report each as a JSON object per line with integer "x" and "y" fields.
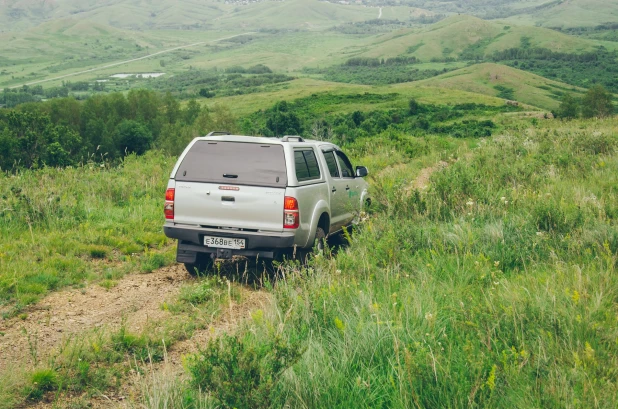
{"x": 169, "y": 203}
{"x": 291, "y": 219}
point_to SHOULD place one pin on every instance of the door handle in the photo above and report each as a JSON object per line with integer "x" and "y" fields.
{"x": 228, "y": 199}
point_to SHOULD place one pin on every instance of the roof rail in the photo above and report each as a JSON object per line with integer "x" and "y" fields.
{"x": 218, "y": 133}
{"x": 288, "y": 138}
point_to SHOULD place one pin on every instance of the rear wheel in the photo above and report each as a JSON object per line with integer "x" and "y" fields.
{"x": 319, "y": 244}
{"x": 203, "y": 264}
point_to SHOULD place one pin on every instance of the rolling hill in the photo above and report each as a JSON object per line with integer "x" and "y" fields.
{"x": 454, "y": 35}
{"x": 490, "y": 79}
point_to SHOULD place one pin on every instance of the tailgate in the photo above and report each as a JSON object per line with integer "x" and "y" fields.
{"x": 244, "y": 207}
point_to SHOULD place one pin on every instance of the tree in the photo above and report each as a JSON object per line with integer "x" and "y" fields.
{"x": 191, "y": 112}
{"x": 569, "y": 107}
{"x": 132, "y": 137}
{"x": 413, "y": 106}
{"x": 597, "y": 103}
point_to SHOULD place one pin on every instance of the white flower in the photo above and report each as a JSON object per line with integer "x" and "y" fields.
{"x": 470, "y": 203}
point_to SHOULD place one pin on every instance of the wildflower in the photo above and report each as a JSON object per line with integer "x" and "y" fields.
{"x": 429, "y": 316}
{"x": 337, "y": 271}
{"x": 575, "y": 296}
{"x": 470, "y": 203}
{"x": 496, "y": 263}
{"x": 339, "y": 324}
{"x": 491, "y": 379}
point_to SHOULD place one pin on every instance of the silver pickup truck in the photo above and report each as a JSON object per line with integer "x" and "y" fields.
{"x": 259, "y": 197}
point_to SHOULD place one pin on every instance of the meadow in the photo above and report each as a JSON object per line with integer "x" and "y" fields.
{"x": 495, "y": 286}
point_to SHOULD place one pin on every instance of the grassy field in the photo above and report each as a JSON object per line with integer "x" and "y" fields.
{"x": 494, "y": 287}
{"x": 61, "y": 227}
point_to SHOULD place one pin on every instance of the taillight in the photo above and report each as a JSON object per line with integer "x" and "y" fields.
{"x": 169, "y": 203}
{"x": 291, "y": 219}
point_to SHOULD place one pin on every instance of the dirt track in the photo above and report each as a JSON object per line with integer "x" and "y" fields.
{"x": 64, "y": 314}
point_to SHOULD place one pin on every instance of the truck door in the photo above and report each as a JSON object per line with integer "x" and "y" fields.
{"x": 351, "y": 187}
{"x": 338, "y": 194}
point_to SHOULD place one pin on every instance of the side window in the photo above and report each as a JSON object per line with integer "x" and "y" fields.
{"x": 306, "y": 164}
{"x": 347, "y": 171}
{"x": 332, "y": 164}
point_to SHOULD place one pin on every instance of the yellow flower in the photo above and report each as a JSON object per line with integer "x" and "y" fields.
{"x": 340, "y": 325}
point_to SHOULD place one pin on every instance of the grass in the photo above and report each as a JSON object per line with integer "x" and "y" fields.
{"x": 494, "y": 287}
{"x": 79, "y": 225}
{"x": 528, "y": 88}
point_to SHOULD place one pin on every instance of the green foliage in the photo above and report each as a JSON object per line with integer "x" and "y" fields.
{"x": 597, "y": 103}
{"x": 141, "y": 346}
{"x": 103, "y": 129}
{"x": 302, "y": 115}
{"x": 132, "y": 137}
{"x": 505, "y": 92}
{"x": 467, "y": 293}
{"x": 54, "y": 221}
{"x": 154, "y": 261}
{"x": 240, "y": 374}
{"x": 569, "y": 107}
{"x": 372, "y": 71}
{"x": 41, "y": 382}
{"x": 584, "y": 69}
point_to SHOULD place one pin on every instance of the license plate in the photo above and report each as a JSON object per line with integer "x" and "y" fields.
{"x": 224, "y": 242}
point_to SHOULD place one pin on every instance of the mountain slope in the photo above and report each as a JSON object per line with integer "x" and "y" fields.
{"x": 490, "y": 79}
{"x": 454, "y": 35}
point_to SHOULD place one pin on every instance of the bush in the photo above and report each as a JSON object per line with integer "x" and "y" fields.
{"x": 240, "y": 374}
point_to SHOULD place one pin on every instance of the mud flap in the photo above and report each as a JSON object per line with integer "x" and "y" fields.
{"x": 186, "y": 256}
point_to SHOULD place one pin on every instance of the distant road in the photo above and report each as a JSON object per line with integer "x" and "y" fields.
{"x": 128, "y": 61}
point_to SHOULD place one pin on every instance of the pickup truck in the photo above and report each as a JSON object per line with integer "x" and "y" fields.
{"x": 231, "y": 195}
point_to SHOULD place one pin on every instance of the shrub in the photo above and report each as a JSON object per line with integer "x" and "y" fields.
{"x": 240, "y": 374}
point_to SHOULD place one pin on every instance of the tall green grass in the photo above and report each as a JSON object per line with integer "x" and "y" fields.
{"x": 495, "y": 287}
{"x": 62, "y": 227}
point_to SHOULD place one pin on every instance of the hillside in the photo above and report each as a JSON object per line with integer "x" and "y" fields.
{"x": 186, "y": 14}
{"x": 488, "y": 78}
{"x": 454, "y": 35}
{"x": 569, "y": 13}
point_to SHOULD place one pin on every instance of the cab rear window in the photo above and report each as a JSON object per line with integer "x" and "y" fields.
{"x": 234, "y": 163}
{"x": 306, "y": 165}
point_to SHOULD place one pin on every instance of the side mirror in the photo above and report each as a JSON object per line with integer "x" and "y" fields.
{"x": 361, "y": 171}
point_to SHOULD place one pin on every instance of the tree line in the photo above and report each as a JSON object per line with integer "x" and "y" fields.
{"x": 65, "y": 132}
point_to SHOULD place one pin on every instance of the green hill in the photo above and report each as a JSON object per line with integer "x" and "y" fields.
{"x": 454, "y": 35}
{"x": 496, "y": 80}
{"x": 569, "y": 13}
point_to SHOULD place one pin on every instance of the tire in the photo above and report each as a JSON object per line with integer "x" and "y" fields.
{"x": 319, "y": 244}
{"x": 202, "y": 265}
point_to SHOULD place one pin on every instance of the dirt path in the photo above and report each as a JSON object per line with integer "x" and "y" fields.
{"x": 422, "y": 180}
{"x": 137, "y": 298}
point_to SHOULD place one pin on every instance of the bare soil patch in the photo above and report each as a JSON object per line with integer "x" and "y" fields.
{"x": 136, "y": 299}
{"x": 422, "y": 180}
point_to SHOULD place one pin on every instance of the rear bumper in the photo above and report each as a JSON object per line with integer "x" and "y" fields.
{"x": 257, "y": 244}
